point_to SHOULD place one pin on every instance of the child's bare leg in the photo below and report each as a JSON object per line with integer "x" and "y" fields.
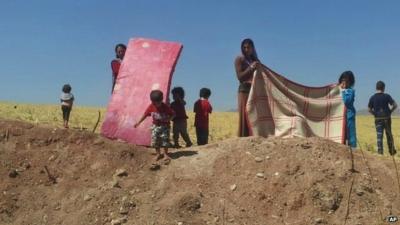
{"x": 165, "y": 152}
{"x": 158, "y": 154}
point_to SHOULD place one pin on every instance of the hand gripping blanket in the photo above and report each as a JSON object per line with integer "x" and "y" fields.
{"x": 279, "y": 107}
{"x": 148, "y": 64}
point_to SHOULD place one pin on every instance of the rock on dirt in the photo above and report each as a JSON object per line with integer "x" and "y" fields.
{"x": 13, "y": 173}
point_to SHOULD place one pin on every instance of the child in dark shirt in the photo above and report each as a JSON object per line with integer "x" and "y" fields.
{"x": 180, "y": 119}
{"x": 162, "y": 115}
{"x": 381, "y": 105}
{"x": 202, "y": 108}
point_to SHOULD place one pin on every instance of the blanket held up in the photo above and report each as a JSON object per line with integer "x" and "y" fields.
{"x": 280, "y": 107}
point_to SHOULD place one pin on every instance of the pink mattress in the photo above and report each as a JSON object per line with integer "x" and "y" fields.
{"x": 147, "y": 65}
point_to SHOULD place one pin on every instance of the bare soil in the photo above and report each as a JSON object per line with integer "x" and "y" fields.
{"x": 72, "y": 177}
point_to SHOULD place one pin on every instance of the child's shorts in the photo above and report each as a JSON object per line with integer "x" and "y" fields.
{"x": 160, "y": 136}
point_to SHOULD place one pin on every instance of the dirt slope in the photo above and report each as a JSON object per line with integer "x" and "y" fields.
{"x": 93, "y": 180}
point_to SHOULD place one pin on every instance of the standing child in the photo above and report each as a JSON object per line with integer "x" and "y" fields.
{"x": 381, "y": 105}
{"x": 346, "y": 81}
{"x": 67, "y": 99}
{"x": 202, "y": 108}
{"x": 116, "y": 63}
{"x": 162, "y": 115}
{"x": 180, "y": 119}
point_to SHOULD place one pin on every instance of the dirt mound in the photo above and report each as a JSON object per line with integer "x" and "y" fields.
{"x": 56, "y": 176}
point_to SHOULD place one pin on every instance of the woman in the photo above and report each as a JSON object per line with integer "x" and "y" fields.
{"x": 116, "y": 63}
{"x": 245, "y": 66}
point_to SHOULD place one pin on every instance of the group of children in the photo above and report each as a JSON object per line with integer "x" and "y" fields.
{"x": 162, "y": 114}
{"x": 381, "y": 105}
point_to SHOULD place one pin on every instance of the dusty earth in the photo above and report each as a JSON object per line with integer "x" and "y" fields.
{"x": 56, "y": 176}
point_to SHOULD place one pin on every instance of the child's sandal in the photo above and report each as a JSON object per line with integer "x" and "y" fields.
{"x": 155, "y": 166}
{"x": 166, "y": 161}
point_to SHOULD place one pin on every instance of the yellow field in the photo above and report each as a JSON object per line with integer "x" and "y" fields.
{"x": 222, "y": 124}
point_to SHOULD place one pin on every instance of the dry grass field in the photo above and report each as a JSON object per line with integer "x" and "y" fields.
{"x": 222, "y": 124}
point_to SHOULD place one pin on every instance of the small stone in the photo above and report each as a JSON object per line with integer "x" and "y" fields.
{"x": 123, "y": 210}
{"x": 248, "y": 153}
{"x": 267, "y": 157}
{"x": 359, "y": 192}
{"x": 13, "y": 173}
{"x": 319, "y": 220}
{"x": 121, "y": 173}
{"x": 233, "y": 187}
{"x": 157, "y": 208}
{"x": 276, "y": 174}
{"x": 180, "y": 223}
{"x": 258, "y": 159}
{"x": 57, "y": 206}
{"x": 260, "y": 175}
{"x": 52, "y": 158}
{"x": 119, "y": 221}
{"x": 87, "y": 197}
{"x": 98, "y": 142}
{"x": 115, "y": 183}
{"x": 231, "y": 220}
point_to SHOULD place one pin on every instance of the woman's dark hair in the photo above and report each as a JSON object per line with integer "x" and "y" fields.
{"x": 120, "y": 45}
{"x": 348, "y": 75}
{"x": 66, "y": 88}
{"x": 380, "y": 85}
{"x": 156, "y": 96}
{"x": 205, "y": 93}
{"x": 250, "y": 42}
{"x": 178, "y": 91}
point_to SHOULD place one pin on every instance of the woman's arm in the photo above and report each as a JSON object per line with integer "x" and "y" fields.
{"x": 245, "y": 74}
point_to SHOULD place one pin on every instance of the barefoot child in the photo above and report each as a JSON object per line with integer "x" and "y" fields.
{"x": 202, "y": 108}
{"x": 180, "y": 119}
{"x": 346, "y": 81}
{"x": 162, "y": 115}
{"x": 67, "y": 99}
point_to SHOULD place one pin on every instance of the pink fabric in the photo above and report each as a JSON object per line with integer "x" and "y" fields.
{"x": 283, "y": 108}
{"x": 147, "y": 65}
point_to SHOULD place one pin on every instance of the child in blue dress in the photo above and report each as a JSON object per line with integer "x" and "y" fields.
{"x": 346, "y": 81}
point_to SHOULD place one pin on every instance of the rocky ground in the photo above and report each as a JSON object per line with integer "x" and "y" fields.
{"x": 57, "y": 176}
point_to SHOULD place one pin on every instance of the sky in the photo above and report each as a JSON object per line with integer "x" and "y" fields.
{"x": 45, "y": 44}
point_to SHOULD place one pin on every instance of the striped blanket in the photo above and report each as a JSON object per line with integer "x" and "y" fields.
{"x": 283, "y": 108}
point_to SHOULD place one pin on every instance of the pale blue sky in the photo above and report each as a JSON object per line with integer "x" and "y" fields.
{"x": 46, "y": 43}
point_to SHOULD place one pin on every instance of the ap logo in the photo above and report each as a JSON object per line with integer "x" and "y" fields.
{"x": 392, "y": 219}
